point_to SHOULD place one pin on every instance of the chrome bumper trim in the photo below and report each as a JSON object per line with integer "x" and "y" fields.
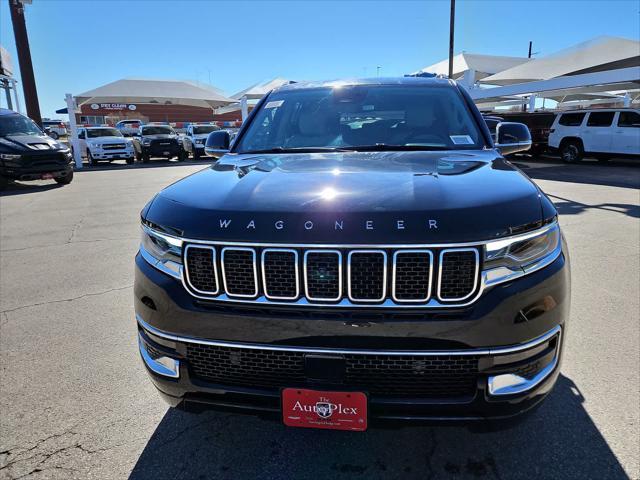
{"x": 426, "y": 353}
{"x": 510, "y": 384}
{"x": 156, "y": 366}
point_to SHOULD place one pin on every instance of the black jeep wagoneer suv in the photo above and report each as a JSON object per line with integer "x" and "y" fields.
{"x": 361, "y": 252}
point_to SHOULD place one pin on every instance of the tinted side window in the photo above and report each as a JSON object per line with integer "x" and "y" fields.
{"x": 629, "y": 119}
{"x": 571, "y": 119}
{"x": 600, "y": 119}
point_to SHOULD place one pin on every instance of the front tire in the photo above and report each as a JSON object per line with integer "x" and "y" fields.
{"x": 66, "y": 179}
{"x": 92, "y": 161}
{"x": 129, "y": 160}
{"x": 571, "y": 151}
{"x": 145, "y": 158}
{"x": 4, "y": 182}
{"x": 196, "y": 154}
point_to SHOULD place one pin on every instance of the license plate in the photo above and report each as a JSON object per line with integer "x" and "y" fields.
{"x": 47, "y": 176}
{"x": 328, "y": 410}
{"x": 166, "y": 153}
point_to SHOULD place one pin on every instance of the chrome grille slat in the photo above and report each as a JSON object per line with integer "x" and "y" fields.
{"x": 327, "y": 275}
{"x": 196, "y": 273}
{"x": 281, "y": 275}
{"x": 239, "y": 272}
{"x": 419, "y": 277}
{"x": 367, "y": 276}
{"x": 465, "y": 260}
{"x": 409, "y": 270}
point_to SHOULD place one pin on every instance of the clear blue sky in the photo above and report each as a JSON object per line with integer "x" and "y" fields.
{"x": 80, "y": 45}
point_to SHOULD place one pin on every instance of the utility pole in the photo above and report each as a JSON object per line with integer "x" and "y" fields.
{"x": 24, "y": 59}
{"x": 530, "y": 46}
{"x": 452, "y": 21}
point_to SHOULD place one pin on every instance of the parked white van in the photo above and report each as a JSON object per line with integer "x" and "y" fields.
{"x": 600, "y": 133}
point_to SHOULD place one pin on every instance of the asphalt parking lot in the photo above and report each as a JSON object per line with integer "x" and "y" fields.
{"x": 75, "y": 401}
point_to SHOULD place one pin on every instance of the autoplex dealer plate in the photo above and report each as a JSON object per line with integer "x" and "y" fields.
{"x": 329, "y": 410}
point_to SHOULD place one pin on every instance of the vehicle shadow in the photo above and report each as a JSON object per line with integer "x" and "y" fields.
{"x": 566, "y": 206}
{"x": 153, "y": 163}
{"x": 623, "y": 174}
{"x": 559, "y": 440}
{"x": 17, "y": 188}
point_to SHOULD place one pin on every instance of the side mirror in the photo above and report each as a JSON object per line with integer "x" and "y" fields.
{"x": 217, "y": 144}
{"x": 512, "y": 137}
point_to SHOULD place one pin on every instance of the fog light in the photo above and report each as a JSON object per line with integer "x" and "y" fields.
{"x": 157, "y": 362}
{"x": 510, "y": 384}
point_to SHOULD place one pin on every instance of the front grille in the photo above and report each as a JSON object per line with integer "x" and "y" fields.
{"x": 280, "y": 274}
{"x": 239, "y": 271}
{"x": 44, "y": 160}
{"x": 113, "y": 146}
{"x": 458, "y": 274}
{"x": 201, "y": 269}
{"x": 323, "y": 275}
{"x": 437, "y": 376}
{"x": 367, "y": 275}
{"x": 412, "y": 270}
{"x": 338, "y": 277}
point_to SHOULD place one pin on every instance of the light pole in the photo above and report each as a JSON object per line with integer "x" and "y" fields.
{"x": 24, "y": 59}
{"x": 452, "y": 21}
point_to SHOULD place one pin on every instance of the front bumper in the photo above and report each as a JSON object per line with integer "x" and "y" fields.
{"x": 159, "y": 150}
{"x": 112, "y": 154}
{"x": 509, "y": 328}
{"x": 35, "y": 172}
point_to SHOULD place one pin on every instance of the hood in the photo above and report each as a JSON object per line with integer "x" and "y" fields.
{"x": 161, "y": 136}
{"x": 34, "y": 143}
{"x": 352, "y": 197}
{"x": 107, "y": 140}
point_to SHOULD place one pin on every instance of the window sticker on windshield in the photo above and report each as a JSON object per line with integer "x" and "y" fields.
{"x": 461, "y": 139}
{"x": 368, "y": 107}
{"x": 274, "y": 104}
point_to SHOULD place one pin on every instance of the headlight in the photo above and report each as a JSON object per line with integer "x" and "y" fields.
{"x": 200, "y": 141}
{"x": 9, "y": 156}
{"x": 94, "y": 145}
{"x": 146, "y": 142}
{"x": 162, "y": 251}
{"x": 513, "y": 257}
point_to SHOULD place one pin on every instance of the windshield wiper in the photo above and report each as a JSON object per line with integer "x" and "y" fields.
{"x": 297, "y": 150}
{"x": 384, "y": 147}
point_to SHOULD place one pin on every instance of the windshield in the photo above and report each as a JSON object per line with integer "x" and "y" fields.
{"x": 156, "y": 130}
{"x": 204, "y": 129}
{"x": 381, "y": 117}
{"x": 17, "y": 125}
{"x": 103, "y": 132}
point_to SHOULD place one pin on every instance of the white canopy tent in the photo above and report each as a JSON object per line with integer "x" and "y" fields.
{"x": 471, "y": 67}
{"x": 598, "y": 54}
{"x": 168, "y": 92}
{"x": 139, "y": 90}
{"x": 251, "y": 95}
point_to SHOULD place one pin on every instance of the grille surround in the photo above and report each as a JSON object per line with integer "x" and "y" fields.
{"x": 306, "y": 297}
{"x": 187, "y": 276}
{"x": 394, "y": 295}
{"x": 338, "y": 253}
{"x": 263, "y": 268}
{"x": 349, "y": 276}
{"x": 254, "y": 267}
{"x": 440, "y": 270}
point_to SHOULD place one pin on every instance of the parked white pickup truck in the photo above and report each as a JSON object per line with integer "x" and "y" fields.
{"x": 195, "y": 137}
{"x": 600, "y": 133}
{"x": 104, "y": 143}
